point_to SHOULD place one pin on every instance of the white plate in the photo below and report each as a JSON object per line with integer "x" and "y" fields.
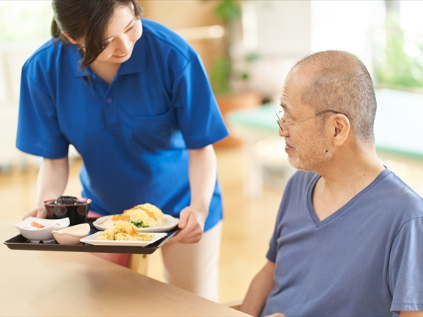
{"x": 169, "y": 223}
{"x": 92, "y": 239}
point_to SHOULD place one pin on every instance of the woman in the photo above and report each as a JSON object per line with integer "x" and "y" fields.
{"x": 134, "y": 100}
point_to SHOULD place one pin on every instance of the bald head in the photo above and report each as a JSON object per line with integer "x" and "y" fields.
{"x": 339, "y": 81}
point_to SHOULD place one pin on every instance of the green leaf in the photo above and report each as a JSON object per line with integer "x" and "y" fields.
{"x": 228, "y": 10}
{"x": 395, "y": 68}
{"x": 220, "y": 76}
{"x": 138, "y": 224}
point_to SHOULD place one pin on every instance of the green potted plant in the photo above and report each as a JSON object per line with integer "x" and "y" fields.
{"x": 228, "y": 11}
{"x": 222, "y": 73}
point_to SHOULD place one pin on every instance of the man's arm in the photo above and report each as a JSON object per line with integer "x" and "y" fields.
{"x": 259, "y": 290}
{"x": 411, "y": 314}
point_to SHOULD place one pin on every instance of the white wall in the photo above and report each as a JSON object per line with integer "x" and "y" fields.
{"x": 280, "y": 33}
{"x": 12, "y": 58}
{"x": 283, "y": 27}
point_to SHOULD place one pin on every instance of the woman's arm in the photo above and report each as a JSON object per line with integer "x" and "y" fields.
{"x": 259, "y": 290}
{"x": 202, "y": 179}
{"x": 51, "y": 183}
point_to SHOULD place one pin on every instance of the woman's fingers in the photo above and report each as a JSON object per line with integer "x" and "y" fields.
{"x": 37, "y": 212}
{"x": 191, "y": 232}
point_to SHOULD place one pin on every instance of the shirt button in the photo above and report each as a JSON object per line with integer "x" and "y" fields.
{"x": 109, "y": 100}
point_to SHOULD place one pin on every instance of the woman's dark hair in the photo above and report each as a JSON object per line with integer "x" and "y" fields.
{"x": 87, "y": 20}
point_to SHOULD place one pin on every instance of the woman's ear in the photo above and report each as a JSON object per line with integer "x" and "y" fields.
{"x": 69, "y": 38}
{"x": 341, "y": 129}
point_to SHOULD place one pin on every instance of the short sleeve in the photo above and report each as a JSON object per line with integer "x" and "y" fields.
{"x": 273, "y": 244}
{"x": 199, "y": 117}
{"x": 271, "y": 253}
{"x": 406, "y": 268}
{"x": 38, "y": 128}
{"x": 289, "y": 192}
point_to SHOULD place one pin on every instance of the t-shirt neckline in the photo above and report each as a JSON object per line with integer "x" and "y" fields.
{"x": 320, "y": 223}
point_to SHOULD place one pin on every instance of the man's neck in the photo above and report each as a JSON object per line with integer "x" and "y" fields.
{"x": 342, "y": 180}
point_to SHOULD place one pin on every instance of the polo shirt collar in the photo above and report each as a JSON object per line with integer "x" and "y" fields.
{"x": 136, "y": 64}
{"x": 74, "y": 58}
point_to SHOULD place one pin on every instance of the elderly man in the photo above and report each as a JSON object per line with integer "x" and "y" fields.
{"x": 348, "y": 239}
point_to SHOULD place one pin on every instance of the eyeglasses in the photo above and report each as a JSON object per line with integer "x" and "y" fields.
{"x": 280, "y": 114}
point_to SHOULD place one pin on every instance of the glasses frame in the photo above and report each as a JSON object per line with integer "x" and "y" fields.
{"x": 280, "y": 118}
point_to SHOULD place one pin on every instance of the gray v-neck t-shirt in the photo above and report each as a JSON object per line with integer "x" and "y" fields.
{"x": 366, "y": 259}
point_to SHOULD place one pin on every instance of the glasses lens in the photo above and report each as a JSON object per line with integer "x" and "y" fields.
{"x": 279, "y": 115}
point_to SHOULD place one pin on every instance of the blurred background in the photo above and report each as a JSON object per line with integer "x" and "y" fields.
{"x": 247, "y": 48}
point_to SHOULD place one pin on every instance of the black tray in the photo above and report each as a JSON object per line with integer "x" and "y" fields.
{"x": 21, "y": 243}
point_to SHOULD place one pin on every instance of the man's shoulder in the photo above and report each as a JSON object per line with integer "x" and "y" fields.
{"x": 393, "y": 193}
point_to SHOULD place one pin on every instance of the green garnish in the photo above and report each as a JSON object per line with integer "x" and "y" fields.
{"x": 138, "y": 224}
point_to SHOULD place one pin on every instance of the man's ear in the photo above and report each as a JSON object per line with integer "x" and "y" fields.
{"x": 69, "y": 38}
{"x": 341, "y": 129}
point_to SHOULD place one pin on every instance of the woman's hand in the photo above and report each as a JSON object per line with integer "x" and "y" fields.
{"x": 191, "y": 223}
{"x": 276, "y": 315}
{"x": 202, "y": 180}
{"x": 40, "y": 212}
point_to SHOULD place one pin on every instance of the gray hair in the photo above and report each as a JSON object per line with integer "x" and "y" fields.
{"x": 342, "y": 83}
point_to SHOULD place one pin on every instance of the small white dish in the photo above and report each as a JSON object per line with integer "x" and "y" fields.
{"x": 92, "y": 239}
{"x": 169, "y": 223}
{"x": 39, "y": 229}
{"x": 72, "y": 235}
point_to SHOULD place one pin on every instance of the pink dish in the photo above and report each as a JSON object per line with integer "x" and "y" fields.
{"x": 71, "y": 235}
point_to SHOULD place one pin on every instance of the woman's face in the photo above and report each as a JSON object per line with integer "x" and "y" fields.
{"x": 121, "y": 34}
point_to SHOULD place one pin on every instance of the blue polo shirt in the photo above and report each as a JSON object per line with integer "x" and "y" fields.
{"x": 134, "y": 134}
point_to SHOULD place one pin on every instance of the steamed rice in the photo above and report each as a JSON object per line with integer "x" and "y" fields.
{"x": 150, "y": 215}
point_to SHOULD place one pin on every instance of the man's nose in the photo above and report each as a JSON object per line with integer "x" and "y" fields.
{"x": 283, "y": 133}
